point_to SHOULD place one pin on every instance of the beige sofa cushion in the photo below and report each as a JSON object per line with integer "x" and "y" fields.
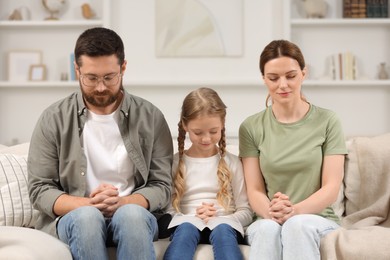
{"x": 15, "y": 206}
{"x": 30, "y": 244}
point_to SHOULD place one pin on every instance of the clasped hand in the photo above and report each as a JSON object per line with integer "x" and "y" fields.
{"x": 206, "y": 211}
{"x": 281, "y": 208}
{"x": 106, "y": 199}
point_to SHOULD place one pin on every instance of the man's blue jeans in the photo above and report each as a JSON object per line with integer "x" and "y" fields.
{"x": 132, "y": 229}
{"x": 186, "y": 238}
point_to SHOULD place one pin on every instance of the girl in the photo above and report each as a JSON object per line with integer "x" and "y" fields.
{"x": 293, "y": 159}
{"x": 209, "y": 199}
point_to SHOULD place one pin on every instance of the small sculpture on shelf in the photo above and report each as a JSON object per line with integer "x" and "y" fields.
{"x": 64, "y": 76}
{"x": 21, "y": 13}
{"x": 87, "y": 11}
{"x": 315, "y": 8}
{"x": 382, "y": 74}
{"x": 15, "y": 16}
{"x": 54, "y": 7}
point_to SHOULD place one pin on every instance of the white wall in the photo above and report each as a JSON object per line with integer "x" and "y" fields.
{"x": 362, "y": 110}
{"x": 165, "y": 82}
{"x": 168, "y": 80}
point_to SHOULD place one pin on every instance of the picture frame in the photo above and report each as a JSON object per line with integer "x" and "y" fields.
{"x": 19, "y": 63}
{"x": 37, "y": 72}
{"x": 207, "y": 29}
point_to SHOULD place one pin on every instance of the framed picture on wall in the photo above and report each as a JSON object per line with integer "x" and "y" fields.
{"x": 19, "y": 63}
{"x": 37, "y": 72}
{"x": 200, "y": 28}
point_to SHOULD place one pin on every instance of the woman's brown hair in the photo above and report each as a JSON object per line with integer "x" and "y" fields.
{"x": 281, "y": 48}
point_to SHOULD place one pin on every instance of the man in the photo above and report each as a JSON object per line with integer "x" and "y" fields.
{"x": 100, "y": 159}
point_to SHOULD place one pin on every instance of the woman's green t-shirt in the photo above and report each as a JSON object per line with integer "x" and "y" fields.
{"x": 291, "y": 155}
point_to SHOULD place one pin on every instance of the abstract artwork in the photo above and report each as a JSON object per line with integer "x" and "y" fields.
{"x": 199, "y": 28}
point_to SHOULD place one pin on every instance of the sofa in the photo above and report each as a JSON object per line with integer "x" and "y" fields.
{"x": 363, "y": 205}
{"x": 19, "y": 239}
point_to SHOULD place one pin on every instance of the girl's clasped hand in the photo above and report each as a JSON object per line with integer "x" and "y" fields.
{"x": 206, "y": 211}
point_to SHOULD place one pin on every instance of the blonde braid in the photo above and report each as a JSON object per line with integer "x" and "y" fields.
{"x": 178, "y": 181}
{"x": 224, "y": 195}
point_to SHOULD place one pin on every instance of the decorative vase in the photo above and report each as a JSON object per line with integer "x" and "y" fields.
{"x": 382, "y": 74}
{"x": 315, "y": 8}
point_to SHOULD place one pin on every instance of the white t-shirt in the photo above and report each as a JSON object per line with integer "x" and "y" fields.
{"x": 107, "y": 158}
{"x": 201, "y": 182}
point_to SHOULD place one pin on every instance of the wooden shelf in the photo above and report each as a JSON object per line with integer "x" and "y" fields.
{"x": 39, "y": 84}
{"x": 49, "y": 24}
{"x": 347, "y": 83}
{"x": 143, "y": 83}
{"x": 233, "y": 83}
{"x": 342, "y": 22}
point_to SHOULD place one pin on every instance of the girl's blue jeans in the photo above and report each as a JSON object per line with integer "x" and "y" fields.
{"x": 186, "y": 238}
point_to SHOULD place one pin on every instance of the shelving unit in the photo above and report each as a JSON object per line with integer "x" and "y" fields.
{"x": 35, "y": 33}
{"x": 55, "y": 39}
{"x": 362, "y": 104}
{"x": 366, "y": 38}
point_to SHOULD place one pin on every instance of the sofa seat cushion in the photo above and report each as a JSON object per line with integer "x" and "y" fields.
{"x": 203, "y": 252}
{"x": 26, "y": 243}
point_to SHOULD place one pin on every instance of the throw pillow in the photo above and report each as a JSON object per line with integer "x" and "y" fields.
{"x": 15, "y": 206}
{"x": 368, "y": 157}
{"x": 352, "y": 179}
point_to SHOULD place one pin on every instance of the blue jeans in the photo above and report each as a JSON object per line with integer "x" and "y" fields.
{"x": 186, "y": 238}
{"x": 132, "y": 229}
{"x": 298, "y": 238}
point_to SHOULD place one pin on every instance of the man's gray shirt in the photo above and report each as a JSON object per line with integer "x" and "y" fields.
{"x": 57, "y": 164}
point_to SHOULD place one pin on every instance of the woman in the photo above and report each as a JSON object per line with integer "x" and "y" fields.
{"x": 293, "y": 157}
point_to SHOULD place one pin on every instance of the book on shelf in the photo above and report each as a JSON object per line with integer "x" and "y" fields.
{"x": 365, "y": 8}
{"x": 377, "y": 8}
{"x": 347, "y": 9}
{"x": 362, "y": 9}
{"x": 370, "y": 8}
{"x": 336, "y": 66}
{"x": 72, "y": 70}
{"x": 377, "y": 12}
{"x": 384, "y": 8}
{"x": 355, "y": 8}
{"x": 348, "y": 61}
{"x": 343, "y": 66}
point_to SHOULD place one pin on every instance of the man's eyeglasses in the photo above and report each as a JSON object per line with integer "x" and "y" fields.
{"x": 93, "y": 81}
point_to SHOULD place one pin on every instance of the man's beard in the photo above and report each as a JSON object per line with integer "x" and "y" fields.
{"x": 101, "y": 99}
